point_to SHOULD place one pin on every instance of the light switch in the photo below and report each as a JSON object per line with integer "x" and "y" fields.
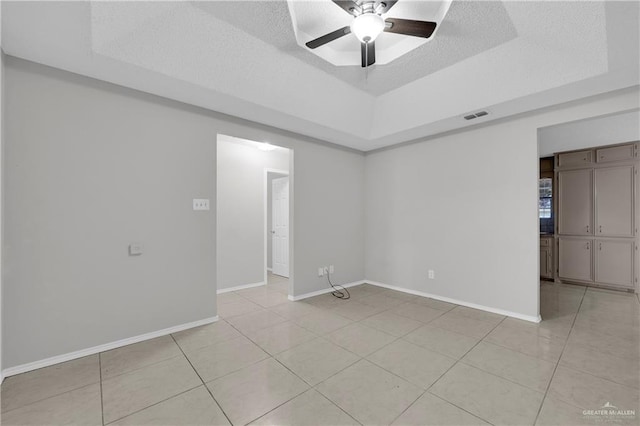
{"x": 200, "y": 204}
{"x": 135, "y": 249}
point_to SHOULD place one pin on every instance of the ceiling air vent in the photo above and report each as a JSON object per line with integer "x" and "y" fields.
{"x": 476, "y": 115}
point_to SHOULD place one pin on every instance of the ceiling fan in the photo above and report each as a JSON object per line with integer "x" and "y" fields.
{"x": 369, "y": 23}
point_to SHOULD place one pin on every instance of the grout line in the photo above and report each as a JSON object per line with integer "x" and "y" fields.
{"x": 101, "y": 394}
{"x": 200, "y": 377}
{"x": 559, "y": 358}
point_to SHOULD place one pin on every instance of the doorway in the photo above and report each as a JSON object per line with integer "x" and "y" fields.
{"x": 253, "y": 194}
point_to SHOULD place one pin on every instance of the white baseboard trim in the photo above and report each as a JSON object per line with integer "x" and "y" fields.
{"x": 529, "y": 318}
{"x": 323, "y": 291}
{"x": 12, "y": 371}
{"x": 240, "y": 287}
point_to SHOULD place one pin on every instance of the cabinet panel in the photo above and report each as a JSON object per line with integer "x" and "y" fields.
{"x": 575, "y": 158}
{"x": 574, "y": 259}
{"x": 614, "y": 201}
{"x": 575, "y": 202}
{"x": 546, "y": 262}
{"x": 614, "y": 262}
{"x": 616, "y": 153}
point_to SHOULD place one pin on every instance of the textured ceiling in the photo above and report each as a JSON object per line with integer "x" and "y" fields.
{"x": 482, "y": 26}
{"x": 242, "y": 58}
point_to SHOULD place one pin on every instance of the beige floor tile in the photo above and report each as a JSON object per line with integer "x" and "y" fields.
{"x": 406, "y": 297}
{"x": 381, "y": 300}
{"x": 26, "y": 388}
{"x": 238, "y": 308}
{"x": 281, "y": 337}
{"x": 532, "y": 372}
{"x": 548, "y": 328}
{"x": 433, "y": 303}
{"x": 588, "y": 392}
{"x": 364, "y": 290}
{"x": 317, "y": 360}
{"x": 527, "y": 343}
{"x": 417, "y": 312}
{"x": 457, "y": 323}
{"x": 360, "y": 339}
{"x": 326, "y": 301}
{"x": 493, "y": 399}
{"x": 308, "y": 409}
{"x": 557, "y": 413}
{"x": 254, "y": 391}
{"x": 194, "y": 407}
{"x": 252, "y": 292}
{"x": 605, "y": 326}
{"x": 230, "y": 297}
{"x": 132, "y": 357}
{"x": 357, "y": 311}
{"x": 413, "y": 363}
{"x": 391, "y": 323}
{"x": 210, "y": 334}
{"x": 294, "y": 310}
{"x": 322, "y": 322}
{"x": 280, "y": 287}
{"x": 624, "y": 371}
{"x": 226, "y": 357}
{"x": 130, "y": 392}
{"x": 477, "y": 314}
{"x": 445, "y": 342}
{"x": 606, "y": 343}
{"x": 370, "y": 394}
{"x": 81, "y": 406}
{"x": 429, "y": 410}
{"x": 256, "y": 320}
{"x": 270, "y": 299}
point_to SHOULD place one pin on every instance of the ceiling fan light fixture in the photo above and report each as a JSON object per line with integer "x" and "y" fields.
{"x": 367, "y": 27}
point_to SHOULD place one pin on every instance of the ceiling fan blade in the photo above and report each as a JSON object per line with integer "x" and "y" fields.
{"x": 328, "y": 37}
{"x": 410, "y": 27}
{"x": 386, "y": 5}
{"x": 368, "y": 52}
{"x": 349, "y": 6}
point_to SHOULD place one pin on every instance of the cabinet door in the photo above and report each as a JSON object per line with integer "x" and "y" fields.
{"x": 545, "y": 261}
{"x": 614, "y": 201}
{"x": 614, "y": 262}
{"x": 616, "y": 153}
{"x": 575, "y": 202}
{"x": 574, "y": 259}
{"x": 579, "y": 158}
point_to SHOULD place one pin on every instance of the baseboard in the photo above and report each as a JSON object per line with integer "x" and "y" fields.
{"x": 529, "y": 318}
{"x": 270, "y": 269}
{"x": 323, "y": 291}
{"x": 12, "y": 371}
{"x": 240, "y": 287}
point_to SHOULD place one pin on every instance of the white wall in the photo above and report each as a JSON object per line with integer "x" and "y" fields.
{"x": 465, "y": 205}
{"x": 91, "y": 167}
{"x": 241, "y": 210}
{"x": 597, "y": 131}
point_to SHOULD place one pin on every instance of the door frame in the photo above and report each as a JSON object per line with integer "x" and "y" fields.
{"x": 265, "y": 214}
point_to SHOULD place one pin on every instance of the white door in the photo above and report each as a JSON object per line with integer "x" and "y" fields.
{"x": 280, "y": 226}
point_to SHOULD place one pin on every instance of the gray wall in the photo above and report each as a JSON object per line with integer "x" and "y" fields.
{"x": 240, "y": 216}
{"x": 270, "y": 178}
{"x": 465, "y": 205}
{"x": 91, "y": 167}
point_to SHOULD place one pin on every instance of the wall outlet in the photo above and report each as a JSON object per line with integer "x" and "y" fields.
{"x": 326, "y": 270}
{"x": 200, "y": 204}
{"x": 320, "y": 272}
{"x": 331, "y": 269}
{"x": 432, "y": 274}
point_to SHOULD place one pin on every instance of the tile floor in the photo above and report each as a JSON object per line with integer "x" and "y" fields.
{"x": 382, "y": 357}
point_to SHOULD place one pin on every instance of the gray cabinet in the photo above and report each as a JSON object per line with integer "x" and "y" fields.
{"x": 617, "y": 153}
{"x": 575, "y": 202}
{"x": 614, "y": 201}
{"x": 575, "y": 258}
{"x": 575, "y": 158}
{"x": 546, "y": 257}
{"x": 614, "y": 262}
